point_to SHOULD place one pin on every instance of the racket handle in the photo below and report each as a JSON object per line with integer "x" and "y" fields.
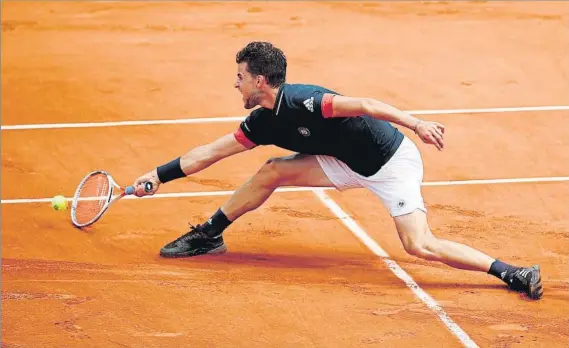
{"x": 129, "y": 190}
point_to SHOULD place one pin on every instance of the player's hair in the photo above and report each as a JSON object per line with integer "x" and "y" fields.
{"x": 264, "y": 59}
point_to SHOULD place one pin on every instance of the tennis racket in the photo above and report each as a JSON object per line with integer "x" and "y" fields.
{"x": 95, "y": 194}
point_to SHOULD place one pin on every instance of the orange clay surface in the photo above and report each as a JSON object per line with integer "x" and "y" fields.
{"x": 294, "y": 275}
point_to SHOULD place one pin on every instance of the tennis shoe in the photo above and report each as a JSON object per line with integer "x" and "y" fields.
{"x": 199, "y": 240}
{"x": 527, "y": 281}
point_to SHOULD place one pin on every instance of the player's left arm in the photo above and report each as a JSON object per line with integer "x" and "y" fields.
{"x": 343, "y": 106}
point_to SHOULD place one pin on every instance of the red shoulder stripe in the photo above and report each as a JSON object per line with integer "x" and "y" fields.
{"x": 243, "y": 140}
{"x": 327, "y": 110}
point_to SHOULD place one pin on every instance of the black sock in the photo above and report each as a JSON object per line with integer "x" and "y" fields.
{"x": 500, "y": 270}
{"x": 218, "y": 222}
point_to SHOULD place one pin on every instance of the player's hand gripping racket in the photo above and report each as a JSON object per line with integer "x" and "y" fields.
{"x": 95, "y": 194}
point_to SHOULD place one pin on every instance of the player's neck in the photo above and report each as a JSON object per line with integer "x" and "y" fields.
{"x": 268, "y": 102}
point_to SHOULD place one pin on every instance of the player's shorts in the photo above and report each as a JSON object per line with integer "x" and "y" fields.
{"x": 397, "y": 183}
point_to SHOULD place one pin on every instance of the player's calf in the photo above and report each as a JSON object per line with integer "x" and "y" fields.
{"x": 418, "y": 240}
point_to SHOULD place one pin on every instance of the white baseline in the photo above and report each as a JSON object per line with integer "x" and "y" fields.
{"x": 241, "y": 118}
{"x": 300, "y": 189}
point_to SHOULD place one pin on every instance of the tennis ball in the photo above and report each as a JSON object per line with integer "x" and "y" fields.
{"x": 59, "y": 203}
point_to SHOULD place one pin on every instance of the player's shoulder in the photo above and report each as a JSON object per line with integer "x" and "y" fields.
{"x": 259, "y": 112}
{"x": 300, "y": 96}
{"x": 258, "y": 116}
{"x": 302, "y": 89}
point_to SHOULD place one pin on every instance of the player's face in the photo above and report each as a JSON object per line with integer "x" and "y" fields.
{"x": 247, "y": 85}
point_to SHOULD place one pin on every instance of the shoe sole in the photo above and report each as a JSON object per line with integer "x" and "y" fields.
{"x": 535, "y": 290}
{"x": 219, "y": 250}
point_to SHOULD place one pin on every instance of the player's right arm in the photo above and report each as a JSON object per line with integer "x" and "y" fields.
{"x": 198, "y": 159}
{"x": 204, "y": 156}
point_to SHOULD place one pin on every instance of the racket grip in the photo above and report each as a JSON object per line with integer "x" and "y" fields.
{"x": 129, "y": 190}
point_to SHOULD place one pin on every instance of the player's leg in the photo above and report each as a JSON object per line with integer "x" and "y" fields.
{"x": 294, "y": 170}
{"x": 398, "y": 185}
{"x": 418, "y": 240}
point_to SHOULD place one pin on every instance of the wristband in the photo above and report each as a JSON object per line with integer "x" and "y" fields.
{"x": 170, "y": 171}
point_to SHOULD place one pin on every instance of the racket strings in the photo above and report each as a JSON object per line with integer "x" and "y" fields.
{"x": 92, "y": 198}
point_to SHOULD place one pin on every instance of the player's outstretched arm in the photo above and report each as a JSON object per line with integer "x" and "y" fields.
{"x": 192, "y": 162}
{"x": 429, "y": 132}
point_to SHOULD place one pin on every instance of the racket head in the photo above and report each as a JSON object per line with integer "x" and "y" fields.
{"x": 92, "y": 198}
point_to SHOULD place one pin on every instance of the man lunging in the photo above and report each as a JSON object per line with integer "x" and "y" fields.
{"x": 339, "y": 141}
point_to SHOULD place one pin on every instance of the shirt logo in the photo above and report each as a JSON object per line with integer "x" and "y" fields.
{"x": 304, "y": 131}
{"x": 309, "y": 103}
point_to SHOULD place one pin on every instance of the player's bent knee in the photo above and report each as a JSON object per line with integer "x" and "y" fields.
{"x": 415, "y": 249}
{"x": 425, "y": 249}
{"x": 270, "y": 174}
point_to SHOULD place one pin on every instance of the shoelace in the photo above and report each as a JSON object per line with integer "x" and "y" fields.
{"x": 195, "y": 232}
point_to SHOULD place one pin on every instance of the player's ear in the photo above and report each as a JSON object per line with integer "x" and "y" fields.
{"x": 259, "y": 79}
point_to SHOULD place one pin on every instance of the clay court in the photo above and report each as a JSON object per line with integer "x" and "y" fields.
{"x": 310, "y": 268}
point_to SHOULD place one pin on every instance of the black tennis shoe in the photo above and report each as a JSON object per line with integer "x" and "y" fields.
{"x": 199, "y": 240}
{"x": 526, "y": 281}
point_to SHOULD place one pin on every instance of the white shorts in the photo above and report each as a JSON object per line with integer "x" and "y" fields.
{"x": 397, "y": 183}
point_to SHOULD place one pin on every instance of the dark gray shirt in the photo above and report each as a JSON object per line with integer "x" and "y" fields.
{"x": 297, "y": 123}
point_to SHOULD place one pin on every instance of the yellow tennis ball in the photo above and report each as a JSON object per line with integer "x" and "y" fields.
{"x": 59, "y": 203}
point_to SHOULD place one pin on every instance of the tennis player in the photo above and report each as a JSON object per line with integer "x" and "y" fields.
{"x": 339, "y": 141}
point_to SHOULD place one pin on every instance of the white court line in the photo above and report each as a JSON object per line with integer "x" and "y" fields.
{"x": 158, "y": 195}
{"x": 240, "y": 118}
{"x": 146, "y": 280}
{"x": 395, "y": 268}
{"x": 300, "y": 189}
